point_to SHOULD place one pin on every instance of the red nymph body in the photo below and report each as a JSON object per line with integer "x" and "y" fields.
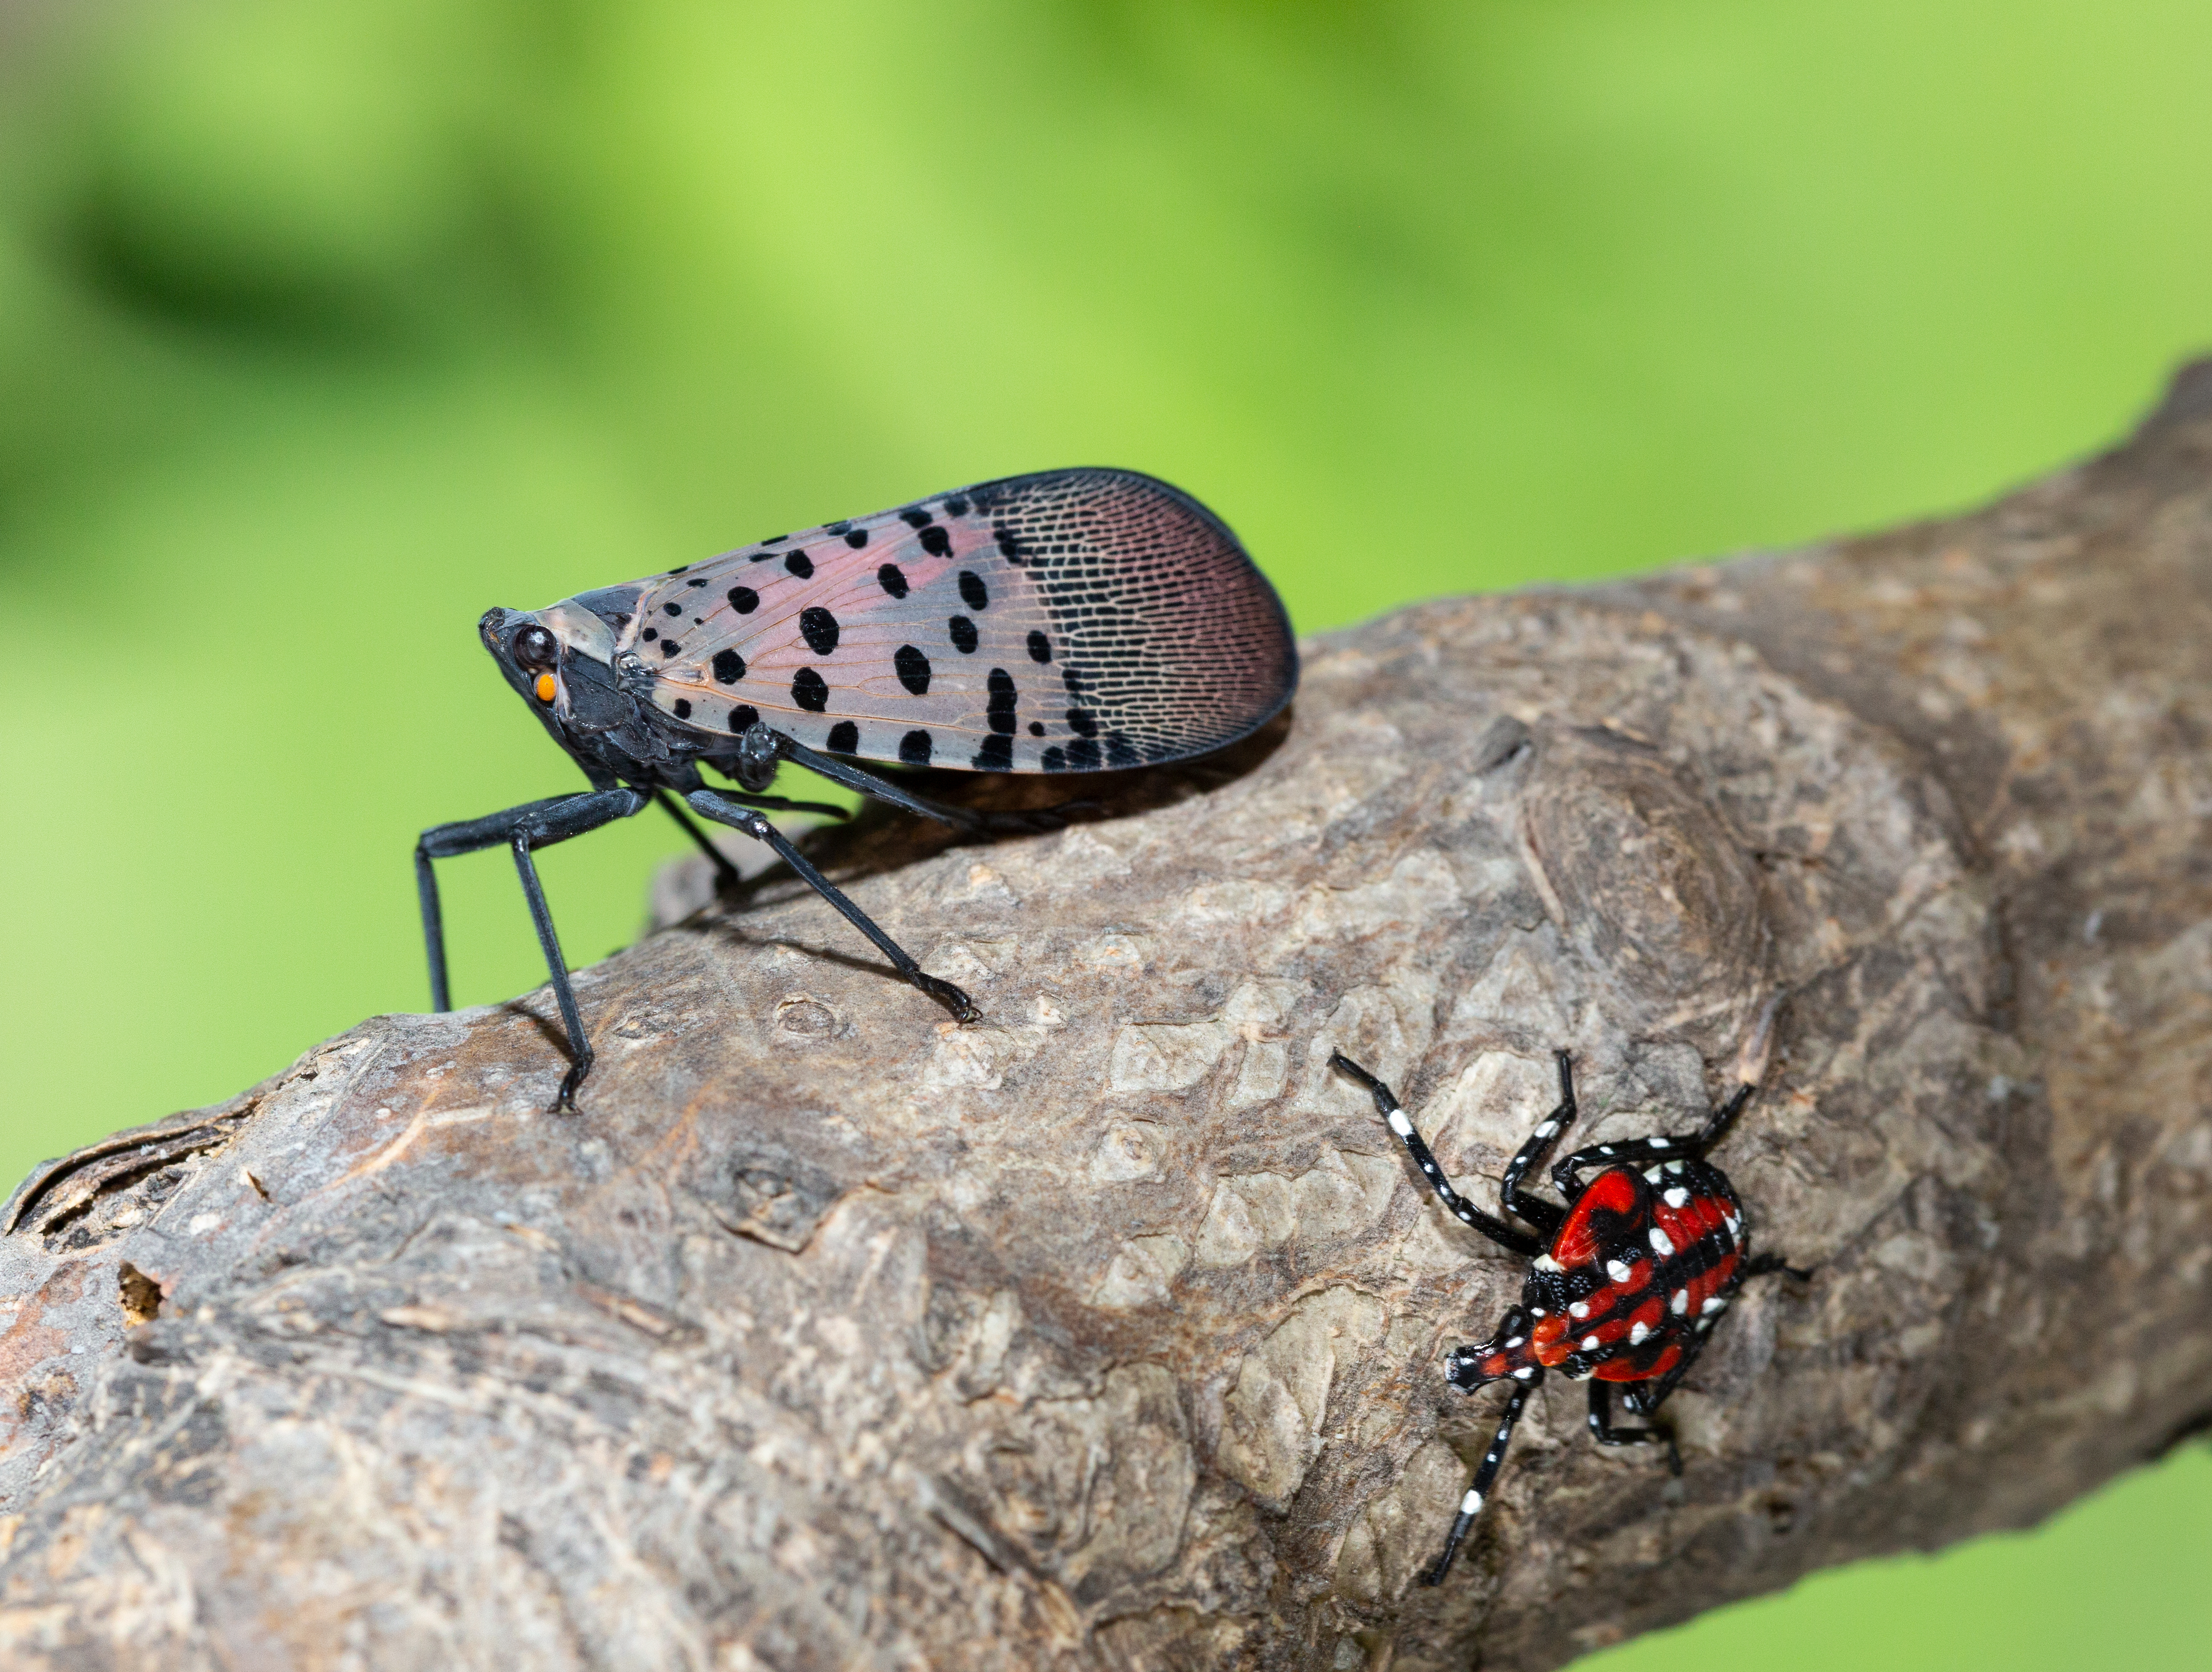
{"x": 1625, "y": 1283}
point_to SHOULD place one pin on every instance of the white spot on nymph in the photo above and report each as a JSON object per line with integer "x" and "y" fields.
{"x": 1673, "y": 1166}
{"x": 1680, "y": 1303}
{"x": 1548, "y": 1130}
{"x": 1652, "y": 1175}
{"x": 1605, "y": 1150}
{"x": 1637, "y": 1333}
{"x": 1657, "y": 1144}
{"x": 1590, "y": 1343}
{"x": 1618, "y": 1272}
{"x": 1524, "y": 1372}
{"x": 1678, "y": 1197}
{"x": 1472, "y": 1504}
{"x": 1661, "y": 1244}
{"x": 1399, "y": 1124}
{"x": 1714, "y": 1304}
{"x": 1546, "y": 1262}
{"x": 1538, "y": 1312}
{"x": 1705, "y": 1323}
{"x": 1514, "y": 1342}
{"x": 1733, "y": 1224}
{"x": 1579, "y": 1309}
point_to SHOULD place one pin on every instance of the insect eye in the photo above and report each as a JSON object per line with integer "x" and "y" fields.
{"x": 534, "y": 648}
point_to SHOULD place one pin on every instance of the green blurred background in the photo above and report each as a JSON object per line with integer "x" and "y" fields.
{"x": 322, "y": 328}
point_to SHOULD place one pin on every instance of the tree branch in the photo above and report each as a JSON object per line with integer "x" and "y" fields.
{"x": 1108, "y": 1333}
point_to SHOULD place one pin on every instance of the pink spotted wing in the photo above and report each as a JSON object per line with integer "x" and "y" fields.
{"x": 1067, "y": 622}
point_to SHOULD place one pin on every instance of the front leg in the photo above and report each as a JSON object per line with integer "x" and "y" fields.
{"x": 1543, "y": 1214}
{"x": 1387, "y": 1105}
{"x": 534, "y": 825}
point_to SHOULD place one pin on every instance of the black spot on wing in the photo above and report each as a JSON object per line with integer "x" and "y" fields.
{"x": 956, "y": 507}
{"x": 913, "y": 748}
{"x": 963, "y": 633}
{"x": 912, "y": 669}
{"x": 972, "y": 590}
{"x": 1040, "y": 647}
{"x": 670, "y": 647}
{"x": 743, "y": 599}
{"x": 936, "y": 541}
{"x": 892, "y": 580}
{"x": 743, "y": 718}
{"x": 809, "y": 690}
{"x": 729, "y": 667}
{"x": 999, "y": 708}
{"x": 1083, "y": 722}
{"x": 800, "y": 564}
{"x": 1053, "y": 759}
{"x": 915, "y": 517}
{"x": 672, "y": 609}
{"x": 844, "y": 738}
{"x": 996, "y": 755}
{"x": 856, "y": 538}
{"x": 820, "y": 629}
{"x": 1036, "y": 730}
{"x": 683, "y": 708}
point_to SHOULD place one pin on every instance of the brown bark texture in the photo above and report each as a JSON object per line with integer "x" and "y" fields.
{"x": 1108, "y": 1333}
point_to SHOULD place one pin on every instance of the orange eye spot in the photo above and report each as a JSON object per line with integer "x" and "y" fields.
{"x": 544, "y": 687}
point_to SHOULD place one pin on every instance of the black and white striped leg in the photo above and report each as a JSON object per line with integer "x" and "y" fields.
{"x": 1485, "y": 1476}
{"x": 1544, "y": 1215}
{"x": 1504, "y": 1235}
{"x": 1603, "y": 1432}
{"x": 1628, "y": 1153}
{"x": 716, "y": 805}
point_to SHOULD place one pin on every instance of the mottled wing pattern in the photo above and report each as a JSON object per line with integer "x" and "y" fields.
{"x": 1067, "y": 622}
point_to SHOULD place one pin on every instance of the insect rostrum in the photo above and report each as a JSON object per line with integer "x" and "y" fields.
{"x": 1624, "y": 1283}
{"x": 1069, "y": 621}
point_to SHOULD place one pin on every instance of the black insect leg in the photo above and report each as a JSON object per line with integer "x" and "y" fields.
{"x": 1717, "y": 1123}
{"x": 965, "y": 818}
{"x": 1386, "y": 1104}
{"x": 1603, "y": 1432}
{"x": 580, "y": 1047}
{"x": 1485, "y": 1476}
{"x": 712, "y": 804}
{"x": 726, "y": 877}
{"x": 1544, "y": 1215}
{"x": 534, "y": 825}
{"x": 1629, "y": 1152}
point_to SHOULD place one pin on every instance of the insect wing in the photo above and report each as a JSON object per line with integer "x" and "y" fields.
{"x": 1067, "y": 622}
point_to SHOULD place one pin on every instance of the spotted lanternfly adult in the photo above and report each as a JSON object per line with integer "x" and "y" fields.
{"x": 1624, "y": 1283}
{"x": 1069, "y": 621}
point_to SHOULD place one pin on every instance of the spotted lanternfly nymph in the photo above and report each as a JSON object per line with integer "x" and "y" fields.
{"x": 1624, "y": 1283}
{"x": 1070, "y": 621}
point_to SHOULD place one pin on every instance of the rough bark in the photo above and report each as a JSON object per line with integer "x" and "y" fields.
{"x": 1108, "y": 1333}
